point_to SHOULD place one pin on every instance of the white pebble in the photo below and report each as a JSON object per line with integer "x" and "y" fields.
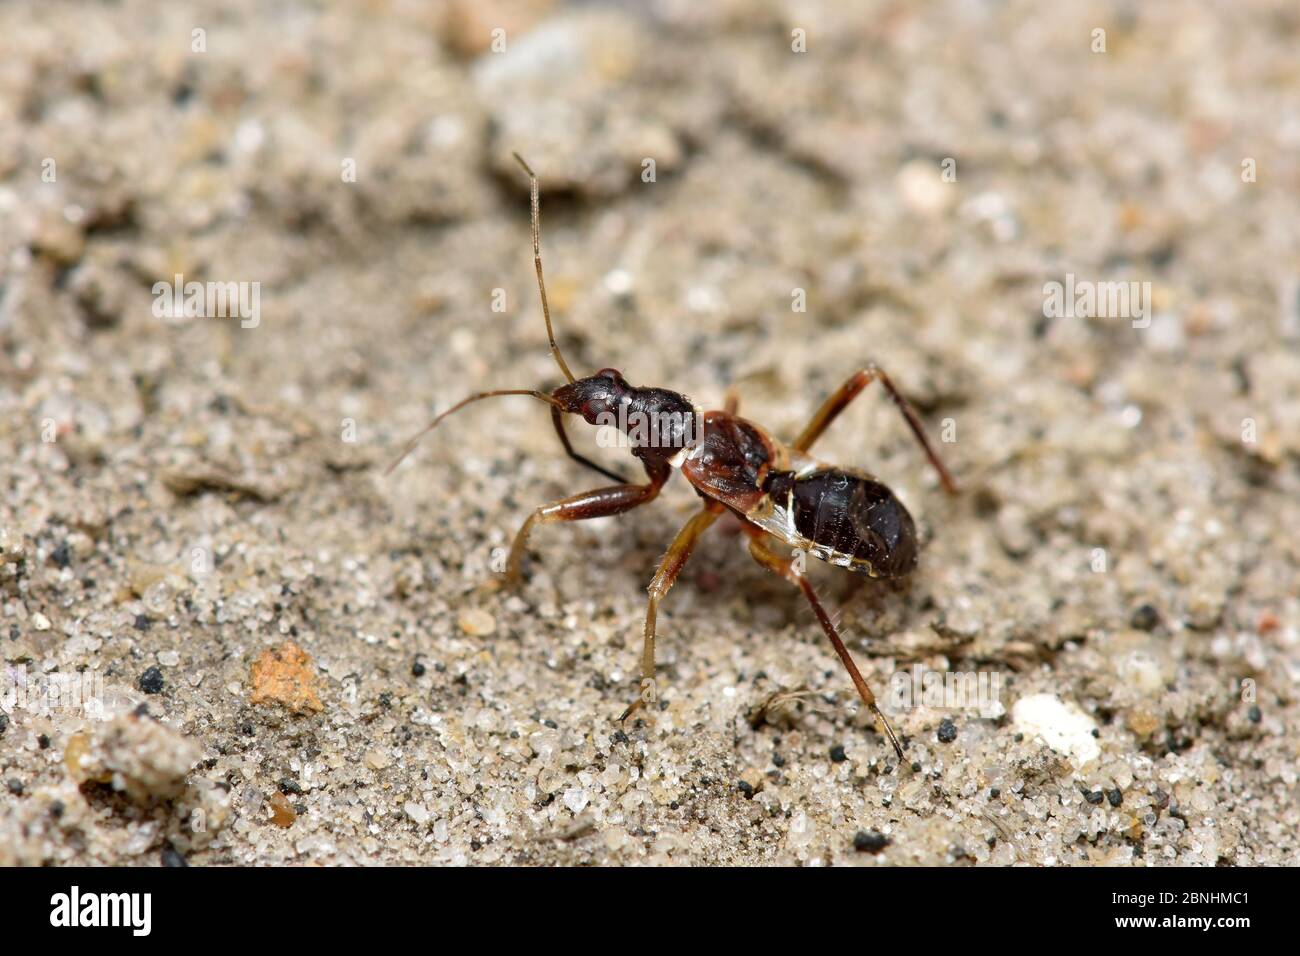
{"x": 1062, "y": 726}
{"x": 618, "y": 281}
{"x": 922, "y": 187}
{"x": 575, "y": 798}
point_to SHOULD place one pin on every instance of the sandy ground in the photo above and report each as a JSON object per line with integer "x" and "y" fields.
{"x": 267, "y": 652}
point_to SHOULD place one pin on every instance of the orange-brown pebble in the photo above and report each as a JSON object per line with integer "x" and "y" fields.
{"x": 282, "y": 812}
{"x": 285, "y": 675}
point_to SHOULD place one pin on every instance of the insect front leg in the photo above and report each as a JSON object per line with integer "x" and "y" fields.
{"x": 599, "y": 503}
{"x": 679, "y": 552}
{"x": 557, "y": 420}
{"x": 850, "y": 390}
{"x": 764, "y": 555}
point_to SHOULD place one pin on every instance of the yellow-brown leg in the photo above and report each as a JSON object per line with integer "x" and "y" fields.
{"x": 679, "y": 552}
{"x": 590, "y": 504}
{"x": 850, "y": 390}
{"x": 764, "y": 555}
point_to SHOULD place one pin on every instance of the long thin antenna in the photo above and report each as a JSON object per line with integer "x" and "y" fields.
{"x": 478, "y": 396}
{"x": 537, "y": 262}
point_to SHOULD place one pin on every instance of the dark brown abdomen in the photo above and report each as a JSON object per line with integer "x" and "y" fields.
{"x": 857, "y": 518}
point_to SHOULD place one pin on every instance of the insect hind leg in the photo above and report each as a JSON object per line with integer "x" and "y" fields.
{"x": 762, "y": 552}
{"x": 850, "y": 390}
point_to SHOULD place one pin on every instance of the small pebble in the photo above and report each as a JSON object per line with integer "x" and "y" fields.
{"x": 417, "y": 669}
{"x": 1062, "y": 725}
{"x": 838, "y": 755}
{"x": 1145, "y": 618}
{"x": 282, "y": 812}
{"x": 576, "y": 799}
{"x": 151, "y": 681}
{"x": 1115, "y": 796}
{"x": 15, "y": 786}
{"x": 143, "y": 758}
{"x": 1254, "y": 714}
{"x": 947, "y": 731}
{"x": 1094, "y": 797}
{"x": 171, "y": 858}
{"x": 40, "y": 621}
{"x": 142, "y": 622}
{"x": 285, "y": 675}
{"x": 477, "y": 623}
{"x": 872, "y": 841}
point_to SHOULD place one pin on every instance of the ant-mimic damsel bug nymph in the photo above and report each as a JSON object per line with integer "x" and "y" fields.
{"x": 778, "y": 491}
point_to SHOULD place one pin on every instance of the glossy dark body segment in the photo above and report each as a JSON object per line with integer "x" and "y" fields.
{"x": 659, "y": 422}
{"x": 671, "y": 422}
{"x": 853, "y": 515}
{"x": 731, "y": 462}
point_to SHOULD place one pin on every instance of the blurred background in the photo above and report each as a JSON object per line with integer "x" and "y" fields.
{"x": 764, "y": 194}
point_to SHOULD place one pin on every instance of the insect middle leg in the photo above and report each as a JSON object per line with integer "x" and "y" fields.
{"x": 764, "y": 555}
{"x": 599, "y": 503}
{"x": 850, "y": 390}
{"x": 679, "y": 552}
